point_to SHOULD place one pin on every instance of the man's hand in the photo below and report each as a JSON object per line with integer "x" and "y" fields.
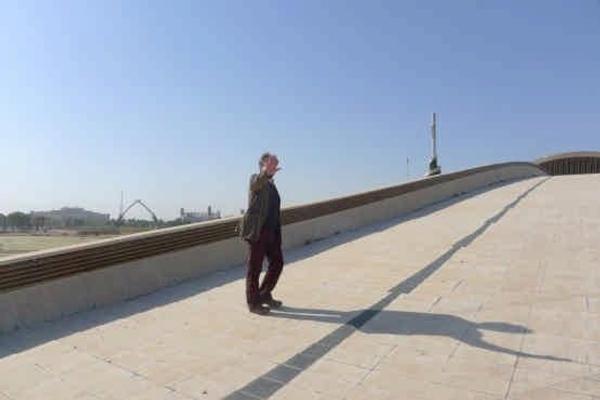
{"x": 271, "y": 166}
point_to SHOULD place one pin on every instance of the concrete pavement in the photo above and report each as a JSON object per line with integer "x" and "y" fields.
{"x": 491, "y": 296}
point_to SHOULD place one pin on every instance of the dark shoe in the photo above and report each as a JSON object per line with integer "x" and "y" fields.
{"x": 260, "y": 310}
{"x": 272, "y": 303}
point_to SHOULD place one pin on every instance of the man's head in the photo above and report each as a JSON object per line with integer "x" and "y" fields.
{"x": 262, "y": 161}
{"x": 269, "y": 162}
{"x": 265, "y": 158}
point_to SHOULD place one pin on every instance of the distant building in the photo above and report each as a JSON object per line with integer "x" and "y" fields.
{"x": 68, "y": 217}
{"x": 195, "y": 216}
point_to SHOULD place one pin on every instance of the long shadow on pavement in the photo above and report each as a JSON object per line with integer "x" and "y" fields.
{"x": 408, "y": 323}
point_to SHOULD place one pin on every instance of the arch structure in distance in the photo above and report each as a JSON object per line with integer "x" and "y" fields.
{"x": 129, "y": 207}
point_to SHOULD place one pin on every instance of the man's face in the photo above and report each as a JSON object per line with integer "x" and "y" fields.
{"x": 271, "y": 164}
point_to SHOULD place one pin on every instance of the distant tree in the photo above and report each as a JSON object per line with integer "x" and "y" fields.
{"x": 38, "y": 222}
{"x": 18, "y": 220}
{"x": 3, "y": 222}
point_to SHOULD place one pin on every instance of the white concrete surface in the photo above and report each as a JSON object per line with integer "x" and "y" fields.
{"x": 511, "y": 310}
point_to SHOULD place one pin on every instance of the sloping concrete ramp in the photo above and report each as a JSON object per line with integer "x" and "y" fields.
{"x": 492, "y": 295}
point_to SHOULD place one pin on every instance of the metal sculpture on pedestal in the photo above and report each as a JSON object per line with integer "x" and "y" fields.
{"x": 434, "y": 168}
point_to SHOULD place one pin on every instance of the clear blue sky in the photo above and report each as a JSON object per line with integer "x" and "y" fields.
{"x": 174, "y": 101}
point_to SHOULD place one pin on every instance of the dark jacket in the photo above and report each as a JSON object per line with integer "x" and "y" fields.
{"x": 258, "y": 207}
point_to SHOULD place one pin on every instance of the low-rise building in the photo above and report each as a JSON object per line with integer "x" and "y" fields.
{"x": 195, "y": 216}
{"x": 68, "y": 217}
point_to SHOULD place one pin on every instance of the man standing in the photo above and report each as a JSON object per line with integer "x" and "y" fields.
{"x": 261, "y": 228}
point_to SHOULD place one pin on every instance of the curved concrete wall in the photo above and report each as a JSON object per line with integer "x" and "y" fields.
{"x": 581, "y": 162}
{"x": 58, "y": 296}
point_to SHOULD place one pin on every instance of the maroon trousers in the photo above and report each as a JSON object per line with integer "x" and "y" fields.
{"x": 269, "y": 245}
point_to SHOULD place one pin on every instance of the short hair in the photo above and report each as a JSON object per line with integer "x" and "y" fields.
{"x": 263, "y": 158}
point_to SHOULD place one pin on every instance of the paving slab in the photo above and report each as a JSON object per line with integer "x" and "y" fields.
{"x": 490, "y": 296}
